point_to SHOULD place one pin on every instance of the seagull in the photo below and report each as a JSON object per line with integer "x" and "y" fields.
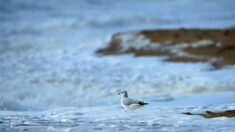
{"x": 130, "y": 104}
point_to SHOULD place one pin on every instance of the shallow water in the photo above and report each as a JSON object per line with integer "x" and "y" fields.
{"x": 157, "y": 116}
{"x": 52, "y": 80}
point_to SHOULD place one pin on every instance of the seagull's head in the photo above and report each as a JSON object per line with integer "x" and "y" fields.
{"x": 123, "y": 93}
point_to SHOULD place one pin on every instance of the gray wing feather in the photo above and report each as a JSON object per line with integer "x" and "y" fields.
{"x": 128, "y": 101}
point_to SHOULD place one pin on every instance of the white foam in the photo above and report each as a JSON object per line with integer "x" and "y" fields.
{"x": 135, "y": 40}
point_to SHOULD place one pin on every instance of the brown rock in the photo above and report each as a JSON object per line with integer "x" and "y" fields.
{"x": 210, "y": 114}
{"x": 216, "y": 46}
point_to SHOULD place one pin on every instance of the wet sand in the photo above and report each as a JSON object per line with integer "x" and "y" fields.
{"x": 215, "y": 46}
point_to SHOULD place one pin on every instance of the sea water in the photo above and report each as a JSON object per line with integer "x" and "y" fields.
{"x": 51, "y": 79}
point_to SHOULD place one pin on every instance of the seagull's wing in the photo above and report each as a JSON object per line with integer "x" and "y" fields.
{"x": 128, "y": 101}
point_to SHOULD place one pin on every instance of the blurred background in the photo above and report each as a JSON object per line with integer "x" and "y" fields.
{"x": 48, "y": 51}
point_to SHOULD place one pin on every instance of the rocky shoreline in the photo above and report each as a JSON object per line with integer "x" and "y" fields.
{"x": 210, "y": 114}
{"x": 215, "y": 46}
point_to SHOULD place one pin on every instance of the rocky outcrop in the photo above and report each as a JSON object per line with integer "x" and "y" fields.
{"x": 216, "y": 47}
{"x": 210, "y": 114}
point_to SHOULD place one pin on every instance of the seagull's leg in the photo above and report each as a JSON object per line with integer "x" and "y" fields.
{"x": 126, "y": 110}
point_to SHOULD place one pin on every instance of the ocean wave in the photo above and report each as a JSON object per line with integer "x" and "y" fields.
{"x": 40, "y": 82}
{"x": 48, "y": 61}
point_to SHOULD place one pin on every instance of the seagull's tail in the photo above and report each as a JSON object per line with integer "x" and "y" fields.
{"x": 143, "y": 103}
